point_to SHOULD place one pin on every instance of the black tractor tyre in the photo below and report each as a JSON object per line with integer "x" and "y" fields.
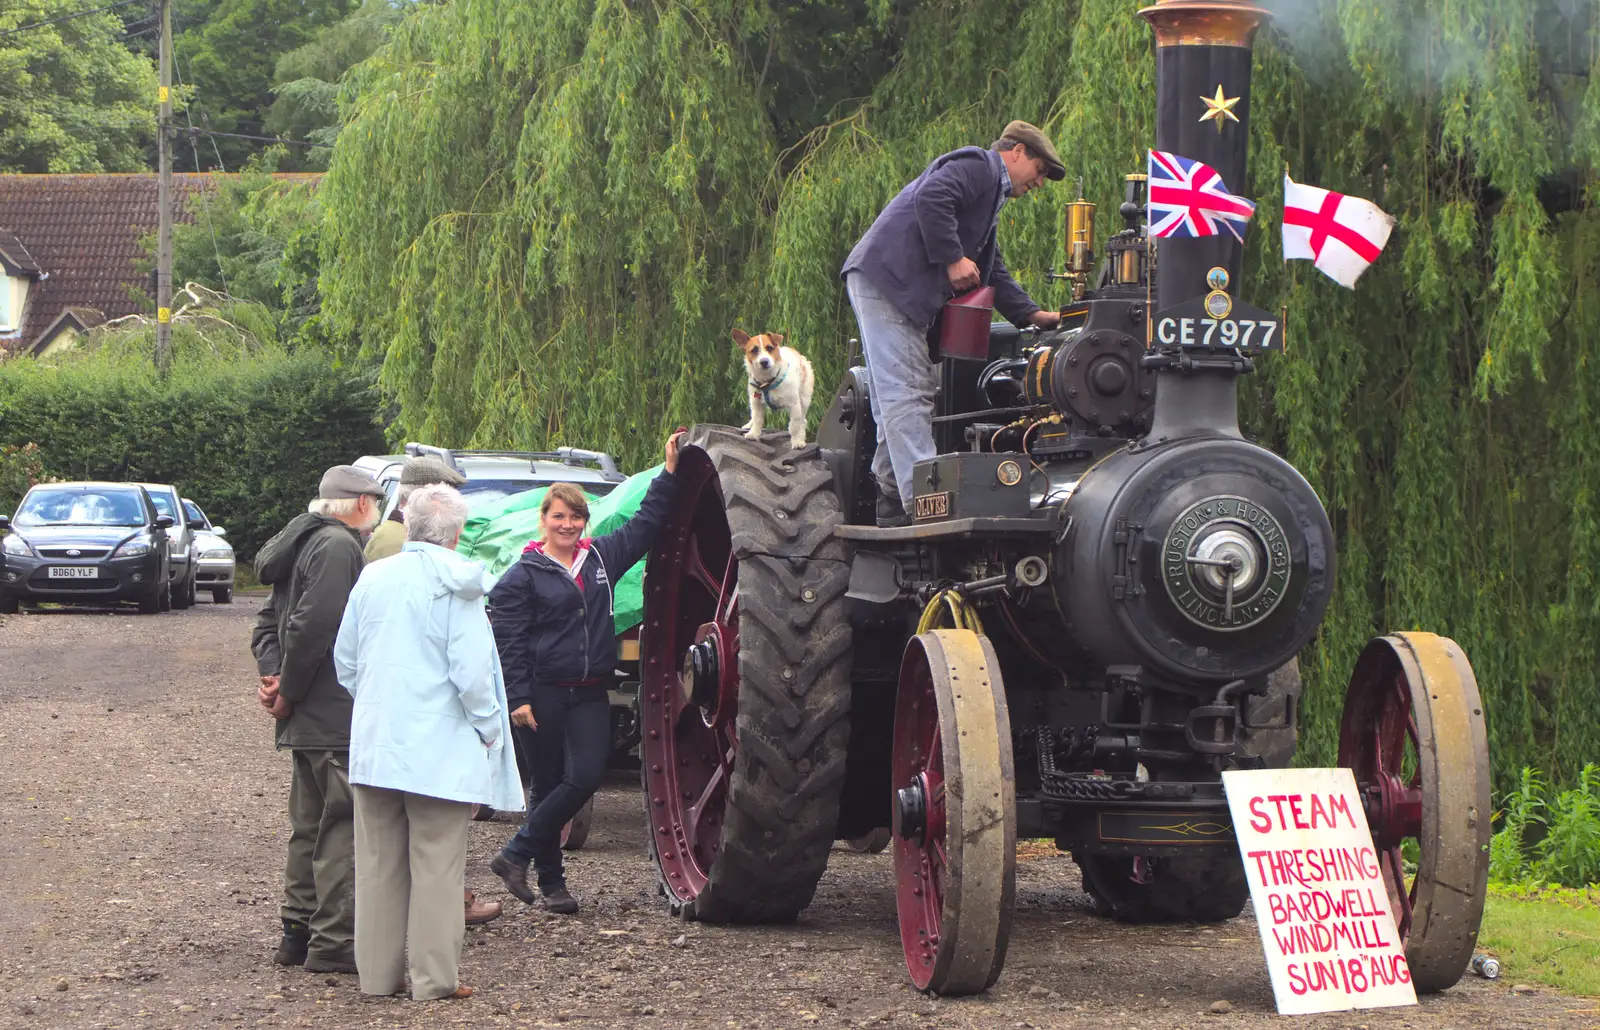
{"x": 1199, "y": 888}
{"x": 793, "y": 722}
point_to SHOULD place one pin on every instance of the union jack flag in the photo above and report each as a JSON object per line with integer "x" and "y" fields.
{"x": 1188, "y": 198}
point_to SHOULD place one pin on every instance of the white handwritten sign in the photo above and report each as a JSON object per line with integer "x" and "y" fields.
{"x": 1321, "y": 903}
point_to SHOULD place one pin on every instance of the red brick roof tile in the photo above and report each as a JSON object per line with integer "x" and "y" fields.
{"x": 83, "y": 233}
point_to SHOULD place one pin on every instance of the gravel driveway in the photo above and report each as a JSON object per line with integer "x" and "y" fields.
{"x": 141, "y": 814}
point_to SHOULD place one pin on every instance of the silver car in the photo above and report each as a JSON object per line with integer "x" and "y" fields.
{"x": 181, "y": 534}
{"x": 214, "y": 565}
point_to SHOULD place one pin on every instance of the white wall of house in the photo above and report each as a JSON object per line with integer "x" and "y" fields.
{"x": 13, "y": 302}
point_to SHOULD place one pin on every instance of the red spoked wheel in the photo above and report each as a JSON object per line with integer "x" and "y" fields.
{"x": 745, "y": 691}
{"x": 954, "y": 813}
{"x": 1413, "y": 733}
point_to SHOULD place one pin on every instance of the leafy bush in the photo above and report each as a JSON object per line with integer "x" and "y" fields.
{"x": 20, "y": 468}
{"x": 244, "y": 429}
{"x": 1545, "y": 840}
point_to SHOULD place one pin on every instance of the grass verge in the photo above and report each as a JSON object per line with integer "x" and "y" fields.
{"x": 1550, "y": 937}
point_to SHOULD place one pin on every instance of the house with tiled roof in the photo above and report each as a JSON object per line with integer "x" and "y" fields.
{"x": 70, "y": 248}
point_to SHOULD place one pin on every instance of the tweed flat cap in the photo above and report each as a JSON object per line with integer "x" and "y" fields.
{"x": 1040, "y": 144}
{"x": 345, "y": 481}
{"x": 425, "y": 469}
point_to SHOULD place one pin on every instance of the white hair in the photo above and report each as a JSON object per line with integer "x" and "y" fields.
{"x": 435, "y": 515}
{"x": 334, "y": 507}
{"x": 403, "y": 496}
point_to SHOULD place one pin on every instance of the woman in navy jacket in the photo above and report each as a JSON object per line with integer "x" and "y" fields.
{"x": 552, "y": 623}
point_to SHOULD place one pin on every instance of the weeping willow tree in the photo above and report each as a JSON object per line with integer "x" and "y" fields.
{"x": 545, "y": 219}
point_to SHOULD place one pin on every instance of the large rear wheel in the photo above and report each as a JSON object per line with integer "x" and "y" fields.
{"x": 1413, "y": 733}
{"x": 745, "y": 694}
{"x": 955, "y": 849}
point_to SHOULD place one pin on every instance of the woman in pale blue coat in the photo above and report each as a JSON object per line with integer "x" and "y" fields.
{"x": 429, "y": 738}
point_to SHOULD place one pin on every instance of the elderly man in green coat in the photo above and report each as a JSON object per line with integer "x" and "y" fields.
{"x": 312, "y": 565}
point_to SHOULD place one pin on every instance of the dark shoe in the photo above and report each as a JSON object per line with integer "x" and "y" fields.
{"x": 292, "y": 949}
{"x": 891, "y": 513}
{"x": 341, "y": 963}
{"x": 557, "y": 900}
{"x": 480, "y": 912}
{"x": 514, "y": 875}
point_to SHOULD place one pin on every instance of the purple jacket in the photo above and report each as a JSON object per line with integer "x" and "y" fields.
{"x": 948, "y": 212}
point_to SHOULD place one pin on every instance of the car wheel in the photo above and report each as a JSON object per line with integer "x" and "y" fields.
{"x": 8, "y": 605}
{"x": 222, "y": 595}
{"x": 150, "y": 604}
{"x": 164, "y": 597}
{"x": 181, "y": 596}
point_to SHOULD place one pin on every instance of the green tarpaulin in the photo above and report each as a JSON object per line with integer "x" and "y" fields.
{"x": 497, "y": 534}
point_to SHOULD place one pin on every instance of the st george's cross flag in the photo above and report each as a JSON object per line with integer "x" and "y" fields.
{"x": 1188, "y": 198}
{"x": 1343, "y": 235}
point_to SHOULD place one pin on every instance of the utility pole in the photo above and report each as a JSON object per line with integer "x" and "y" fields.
{"x": 164, "y": 193}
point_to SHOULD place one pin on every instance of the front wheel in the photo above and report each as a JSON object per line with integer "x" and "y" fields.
{"x": 183, "y": 594}
{"x": 1413, "y": 734}
{"x": 222, "y": 595}
{"x": 954, "y": 811}
{"x": 8, "y": 605}
{"x": 150, "y": 604}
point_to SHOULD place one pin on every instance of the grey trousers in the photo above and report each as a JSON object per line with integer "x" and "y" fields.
{"x": 320, "y": 873}
{"x": 904, "y": 383}
{"x": 411, "y": 854}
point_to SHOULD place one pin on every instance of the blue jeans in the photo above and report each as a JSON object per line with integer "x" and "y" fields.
{"x": 570, "y": 750}
{"x": 904, "y": 382}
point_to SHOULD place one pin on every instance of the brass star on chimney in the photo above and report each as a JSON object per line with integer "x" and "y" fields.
{"x": 1218, "y": 108}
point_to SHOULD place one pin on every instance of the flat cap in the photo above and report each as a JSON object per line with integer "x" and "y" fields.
{"x": 1040, "y": 144}
{"x": 425, "y": 469}
{"x": 346, "y": 481}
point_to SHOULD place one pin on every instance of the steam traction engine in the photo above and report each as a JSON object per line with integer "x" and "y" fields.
{"x": 1096, "y": 610}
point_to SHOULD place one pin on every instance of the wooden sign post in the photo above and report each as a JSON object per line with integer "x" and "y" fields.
{"x": 1321, "y": 902}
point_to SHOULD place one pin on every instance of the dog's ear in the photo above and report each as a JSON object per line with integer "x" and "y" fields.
{"x": 741, "y": 338}
{"x": 777, "y": 341}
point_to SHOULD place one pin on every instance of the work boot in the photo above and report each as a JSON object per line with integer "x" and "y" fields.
{"x": 292, "y": 949}
{"x": 480, "y": 912}
{"x": 514, "y": 875}
{"x": 891, "y": 513}
{"x": 557, "y": 900}
{"x": 339, "y": 962}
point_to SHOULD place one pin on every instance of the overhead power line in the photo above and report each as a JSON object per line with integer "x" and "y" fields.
{"x": 68, "y": 17}
{"x": 262, "y": 139}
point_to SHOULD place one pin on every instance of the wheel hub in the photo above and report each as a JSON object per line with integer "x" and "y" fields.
{"x": 701, "y": 671}
{"x": 912, "y": 803}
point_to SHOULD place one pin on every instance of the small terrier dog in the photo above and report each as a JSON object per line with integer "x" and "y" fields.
{"x": 780, "y": 377}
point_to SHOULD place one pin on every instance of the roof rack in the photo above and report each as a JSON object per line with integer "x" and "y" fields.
{"x": 574, "y": 456}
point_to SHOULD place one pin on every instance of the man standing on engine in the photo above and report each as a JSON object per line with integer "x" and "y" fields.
{"x": 935, "y": 240}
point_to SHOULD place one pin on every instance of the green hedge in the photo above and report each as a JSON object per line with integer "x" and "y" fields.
{"x": 245, "y": 436}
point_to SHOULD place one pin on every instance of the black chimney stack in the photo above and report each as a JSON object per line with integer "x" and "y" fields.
{"x": 1203, "y": 58}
